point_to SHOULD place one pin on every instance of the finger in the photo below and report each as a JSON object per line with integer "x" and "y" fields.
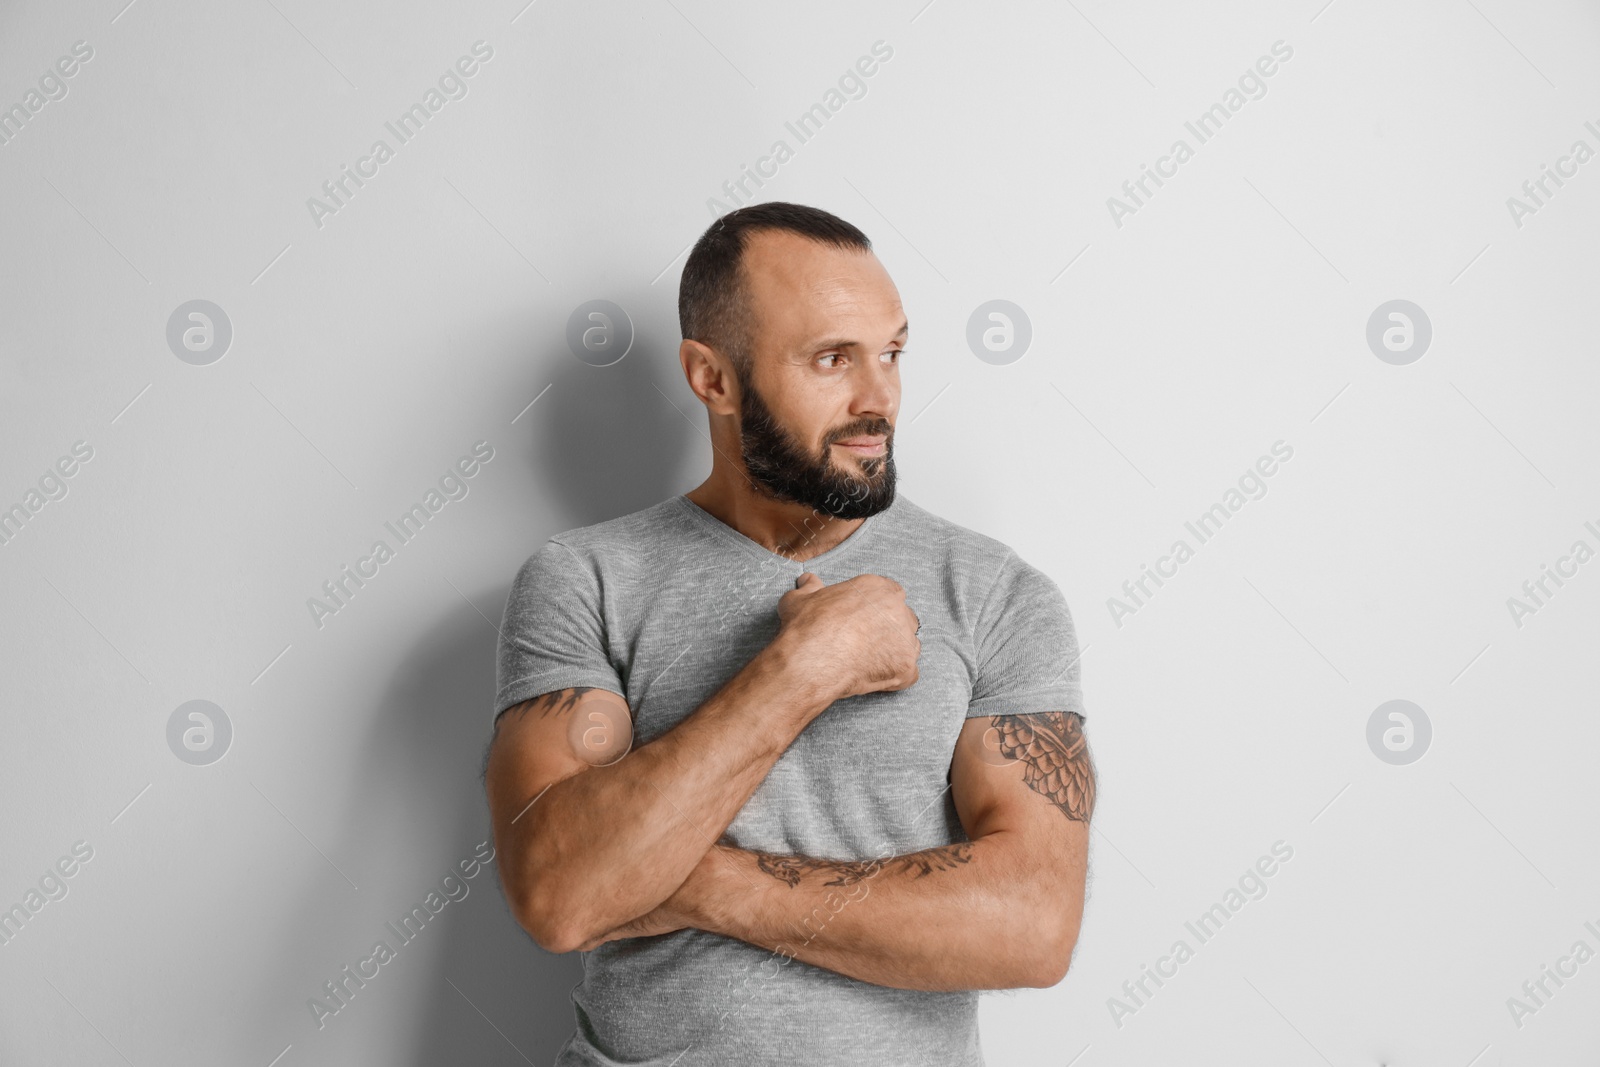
{"x": 808, "y": 579}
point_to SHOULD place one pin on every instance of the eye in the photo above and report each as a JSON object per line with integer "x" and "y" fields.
{"x": 831, "y": 355}
{"x": 893, "y": 354}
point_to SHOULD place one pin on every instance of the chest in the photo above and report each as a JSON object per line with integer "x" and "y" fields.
{"x": 675, "y": 648}
{"x": 869, "y": 768}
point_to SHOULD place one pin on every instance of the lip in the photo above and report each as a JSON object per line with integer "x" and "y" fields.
{"x": 864, "y": 446}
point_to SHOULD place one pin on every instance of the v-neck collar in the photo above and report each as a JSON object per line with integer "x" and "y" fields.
{"x": 728, "y": 535}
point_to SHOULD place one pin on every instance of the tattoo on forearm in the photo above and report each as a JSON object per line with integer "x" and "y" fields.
{"x": 926, "y": 862}
{"x": 791, "y": 869}
{"x": 1054, "y": 754}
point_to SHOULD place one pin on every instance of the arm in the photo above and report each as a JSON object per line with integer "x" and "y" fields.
{"x": 565, "y": 829}
{"x": 999, "y": 911}
{"x": 586, "y": 848}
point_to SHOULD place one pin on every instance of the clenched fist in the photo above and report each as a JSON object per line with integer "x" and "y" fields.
{"x": 856, "y": 636}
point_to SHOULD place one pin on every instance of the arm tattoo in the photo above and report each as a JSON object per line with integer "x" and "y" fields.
{"x": 557, "y": 703}
{"x": 926, "y": 862}
{"x": 1055, "y": 758}
{"x": 562, "y": 700}
{"x": 790, "y": 869}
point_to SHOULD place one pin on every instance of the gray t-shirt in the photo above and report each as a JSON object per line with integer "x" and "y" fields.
{"x": 662, "y": 607}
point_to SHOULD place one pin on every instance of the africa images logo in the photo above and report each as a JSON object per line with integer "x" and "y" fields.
{"x": 341, "y": 989}
{"x": 452, "y": 85}
{"x": 454, "y": 484}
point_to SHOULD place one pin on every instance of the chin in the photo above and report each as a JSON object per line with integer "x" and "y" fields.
{"x": 866, "y": 496}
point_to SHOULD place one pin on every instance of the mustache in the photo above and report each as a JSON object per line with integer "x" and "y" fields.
{"x": 869, "y": 428}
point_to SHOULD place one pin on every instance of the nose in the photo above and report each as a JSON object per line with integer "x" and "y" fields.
{"x": 877, "y": 390}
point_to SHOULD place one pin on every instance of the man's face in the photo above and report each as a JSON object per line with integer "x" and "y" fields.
{"x": 818, "y": 404}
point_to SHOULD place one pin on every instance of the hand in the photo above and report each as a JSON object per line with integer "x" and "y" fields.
{"x": 660, "y": 920}
{"x": 859, "y": 634}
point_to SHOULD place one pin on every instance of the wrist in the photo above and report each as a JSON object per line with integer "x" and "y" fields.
{"x": 801, "y": 673}
{"x": 705, "y": 895}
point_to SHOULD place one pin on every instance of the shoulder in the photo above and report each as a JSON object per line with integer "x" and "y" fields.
{"x": 987, "y": 579}
{"x": 623, "y": 532}
{"x": 580, "y": 553}
{"x": 953, "y": 545}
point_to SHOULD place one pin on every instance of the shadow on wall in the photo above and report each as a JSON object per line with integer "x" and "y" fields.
{"x": 609, "y": 442}
{"x": 613, "y": 439}
{"x": 602, "y": 442}
{"x": 433, "y": 736}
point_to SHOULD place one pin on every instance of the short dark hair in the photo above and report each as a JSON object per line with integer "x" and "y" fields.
{"x": 713, "y": 304}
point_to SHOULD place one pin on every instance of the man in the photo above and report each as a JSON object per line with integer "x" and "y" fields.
{"x": 858, "y": 789}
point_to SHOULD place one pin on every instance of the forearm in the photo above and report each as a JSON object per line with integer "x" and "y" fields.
{"x": 974, "y": 915}
{"x": 607, "y": 845}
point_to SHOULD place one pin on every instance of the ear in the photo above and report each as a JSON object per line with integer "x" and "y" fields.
{"x": 710, "y": 376}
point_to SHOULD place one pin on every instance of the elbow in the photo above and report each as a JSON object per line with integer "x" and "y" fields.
{"x": 541, "y": 908}
{"x": 551, "y": 928}
{"x": 1058, "y": 919}
{"x": 1053, "y": 959}
{"x": 548, "y": 907}
{"x": 560, "y": 940}
{"x": 1050, "y": 969}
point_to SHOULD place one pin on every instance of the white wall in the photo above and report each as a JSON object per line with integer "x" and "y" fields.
{"x": 369, "y": 352}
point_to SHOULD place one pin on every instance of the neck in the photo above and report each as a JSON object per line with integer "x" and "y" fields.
{"x": 793, "y": 530}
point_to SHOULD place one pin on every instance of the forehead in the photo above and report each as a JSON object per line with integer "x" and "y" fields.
{"x": 798, "y": 287}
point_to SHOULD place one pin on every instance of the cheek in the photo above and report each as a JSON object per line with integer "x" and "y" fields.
{"x": 811, "y": 427}
{"x": 809, "y": 411}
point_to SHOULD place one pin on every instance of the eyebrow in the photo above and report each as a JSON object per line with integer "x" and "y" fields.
{"x": 845, "y": 342}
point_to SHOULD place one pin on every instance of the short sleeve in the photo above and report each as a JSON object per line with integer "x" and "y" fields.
{"x": 1025, "y": 647}
{"x": 553, "y": 635}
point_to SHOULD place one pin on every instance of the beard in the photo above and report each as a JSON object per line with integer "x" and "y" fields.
{"x": 784, "y": 469}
